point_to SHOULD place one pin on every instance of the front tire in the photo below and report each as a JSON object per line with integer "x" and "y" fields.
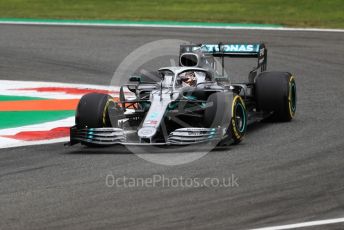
{"x": 228, "y": 114}
{"x": 218, "y": 112}
{"x": 92, "y": 111}
{"x": 238, "y": 125}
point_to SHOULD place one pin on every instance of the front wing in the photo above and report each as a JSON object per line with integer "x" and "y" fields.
{"x": 113, "y": 136}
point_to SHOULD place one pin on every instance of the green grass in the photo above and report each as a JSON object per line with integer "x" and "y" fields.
{"x": 309, "y": 13}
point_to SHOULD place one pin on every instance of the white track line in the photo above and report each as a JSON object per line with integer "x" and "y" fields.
{"x": 172, "y": 26}
{"x": 5, "y": 84}
{"x": 8, "y": 88}
{"x": 11, "y": 143}
{"x": 304, "y": 224}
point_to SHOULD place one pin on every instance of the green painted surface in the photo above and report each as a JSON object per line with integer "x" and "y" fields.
{"x": 127, "y": 22}
{"x": 293, "y": 13}
{"x": 19, "y": 98}
{"x": 15, "y": 119}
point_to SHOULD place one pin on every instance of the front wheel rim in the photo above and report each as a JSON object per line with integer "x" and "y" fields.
{"x": 240, "y": 117}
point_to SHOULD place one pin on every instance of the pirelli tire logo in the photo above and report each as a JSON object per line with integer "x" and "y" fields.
{"x": 238, "y": 123}
{"x": 235, "y": 130}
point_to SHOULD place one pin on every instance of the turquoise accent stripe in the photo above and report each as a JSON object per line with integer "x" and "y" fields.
{"x": 132, "y": 23}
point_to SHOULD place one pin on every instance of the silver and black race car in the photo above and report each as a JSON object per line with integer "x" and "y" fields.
{"x": 192, "y": 103}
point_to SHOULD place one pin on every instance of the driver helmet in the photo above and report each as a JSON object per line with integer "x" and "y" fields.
{"x": 189, "y": 79}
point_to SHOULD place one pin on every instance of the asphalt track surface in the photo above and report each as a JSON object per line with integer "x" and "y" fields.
{"x": 287, "y": 172}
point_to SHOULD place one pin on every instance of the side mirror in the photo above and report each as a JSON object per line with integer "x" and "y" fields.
{"x": 135, "y": 79}
{"x": 133, "y": 82}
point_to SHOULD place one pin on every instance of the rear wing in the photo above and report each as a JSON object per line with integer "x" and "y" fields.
{"x": 235, "y": 50}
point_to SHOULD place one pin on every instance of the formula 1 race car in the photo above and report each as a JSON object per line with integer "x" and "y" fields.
{"x": 192, "y": 103}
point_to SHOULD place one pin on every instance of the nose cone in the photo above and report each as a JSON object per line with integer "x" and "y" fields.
{"x": 147, "y": 132}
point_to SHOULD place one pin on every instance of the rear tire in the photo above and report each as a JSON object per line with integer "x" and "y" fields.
{"x": 276, "y": 92}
